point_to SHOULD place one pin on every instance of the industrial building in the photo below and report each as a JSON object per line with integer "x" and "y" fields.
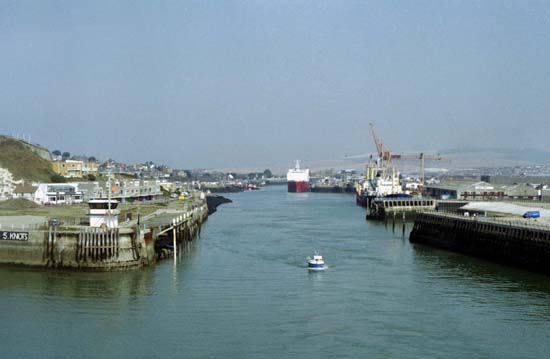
{"x": 463, "y": 189}
{"x": 508, "y": 180}
{"x": 481, "y": 190}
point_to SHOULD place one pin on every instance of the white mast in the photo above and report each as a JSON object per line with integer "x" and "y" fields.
{"x": 109, "y": 191}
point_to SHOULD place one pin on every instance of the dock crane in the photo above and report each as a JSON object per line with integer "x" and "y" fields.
{"x": 386, "y": 155}
{"x": 383, "y": 153}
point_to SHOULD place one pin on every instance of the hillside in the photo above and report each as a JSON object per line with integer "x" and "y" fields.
{"x": 18, "y": 158}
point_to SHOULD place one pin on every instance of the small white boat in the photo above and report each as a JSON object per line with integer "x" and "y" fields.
{"x": 315, "y": 263}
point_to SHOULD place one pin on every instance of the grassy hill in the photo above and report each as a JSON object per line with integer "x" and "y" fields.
{"x": 22, "y": 162}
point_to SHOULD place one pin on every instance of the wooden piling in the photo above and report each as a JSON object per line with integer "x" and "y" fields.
{"x": 174, "y": 238}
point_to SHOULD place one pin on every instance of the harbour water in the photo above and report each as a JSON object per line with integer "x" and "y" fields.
{"x": 243, "y": 291}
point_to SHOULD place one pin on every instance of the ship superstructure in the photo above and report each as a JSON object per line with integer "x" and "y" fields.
{"x": 380, "y": 181}
{"x": 381, "y": 191}
{"x": 298, "y": 179}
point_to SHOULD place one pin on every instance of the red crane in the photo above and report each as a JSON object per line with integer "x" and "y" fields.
{"x": 387, "y": 156}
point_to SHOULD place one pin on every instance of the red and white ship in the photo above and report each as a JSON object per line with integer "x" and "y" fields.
{"x": 298, "y": 179}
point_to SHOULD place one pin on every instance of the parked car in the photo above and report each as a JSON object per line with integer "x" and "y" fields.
{"x": 531, "y": 214}
{"x": 54, "y": 222}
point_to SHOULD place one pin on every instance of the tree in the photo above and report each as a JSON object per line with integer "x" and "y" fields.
{"x": 66, "y": 155}
{"x": 267, "y": 173}
{"x": 57, "y": 179}
{"x": 91, "y": 177}
{"x": 56, "y": 153}
{"x": 92, "y": 159}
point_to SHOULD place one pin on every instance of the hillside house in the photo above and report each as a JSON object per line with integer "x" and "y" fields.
{"x": 75, "y": 169}
{"x": 25, "y": 191}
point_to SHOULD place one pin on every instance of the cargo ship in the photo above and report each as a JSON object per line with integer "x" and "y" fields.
{"x": 298, "y": 179}
{"x": 380, "y": 181}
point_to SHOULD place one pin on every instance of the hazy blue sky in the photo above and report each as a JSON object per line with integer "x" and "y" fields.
{"x": 252, "y": 83}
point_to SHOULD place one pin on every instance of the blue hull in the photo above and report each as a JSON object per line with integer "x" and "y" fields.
{"x": 316, "y": 266}
{"x": 399, "y": 196}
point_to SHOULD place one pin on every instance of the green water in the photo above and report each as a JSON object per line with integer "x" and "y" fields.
{"x": 243, "y": 291}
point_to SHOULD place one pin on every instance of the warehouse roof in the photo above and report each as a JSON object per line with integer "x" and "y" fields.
{"x": 505, "y": 208}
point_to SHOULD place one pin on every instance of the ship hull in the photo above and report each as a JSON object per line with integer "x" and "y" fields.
{"x": 298, "y": 186}
{"x": 362, "y": 200}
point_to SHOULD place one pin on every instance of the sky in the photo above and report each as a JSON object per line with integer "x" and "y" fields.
{"x": 218, "y": 84}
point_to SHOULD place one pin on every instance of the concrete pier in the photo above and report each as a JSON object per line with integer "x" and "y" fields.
{"x": 384, "y": 209}
{"x": 512, "y": 241}
{"x": 132, "y": 244}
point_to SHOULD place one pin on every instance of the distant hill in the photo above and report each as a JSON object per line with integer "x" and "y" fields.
{"x": 25, "y": 160}
{"x": 453, "y": 158}
{"x": 497, "y": 156}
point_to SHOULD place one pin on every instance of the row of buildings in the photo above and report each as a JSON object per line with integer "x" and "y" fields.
{"x": 489, "y": 190}
{"x": 78, "y": 192}
{"x": 76, "y": 168}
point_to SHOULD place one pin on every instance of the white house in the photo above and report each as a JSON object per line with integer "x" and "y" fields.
{"x": 25, "y": 191}
{"x": 58, "y": 193}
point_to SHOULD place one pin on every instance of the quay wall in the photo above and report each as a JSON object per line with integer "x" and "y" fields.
{"x": 511, "y": 242}
{"x": 131, "y": 245}
{"x": 76, "y": 247}
{"x": 336, "y": 188}
{"x": 213, "y": 201}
